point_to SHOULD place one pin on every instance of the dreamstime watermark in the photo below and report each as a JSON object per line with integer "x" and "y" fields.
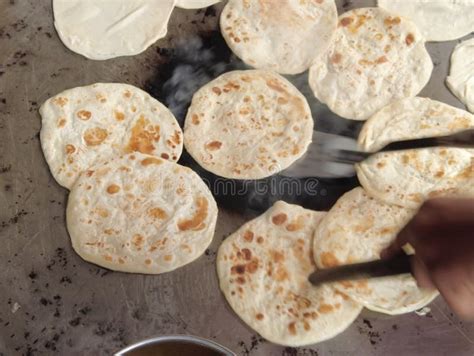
{"x": 273, "y": 186}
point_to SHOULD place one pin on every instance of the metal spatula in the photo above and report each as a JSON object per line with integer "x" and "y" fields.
{"x": 399, "y": 264}
{"x": 332, "y": 156}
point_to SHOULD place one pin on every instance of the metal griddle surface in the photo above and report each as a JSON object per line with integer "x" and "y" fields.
{"x": 52, "y": 302}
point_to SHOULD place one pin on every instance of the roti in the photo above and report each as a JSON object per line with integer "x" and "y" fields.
{"x": 461, "y": 77}
{"x": 357, "y": 229}
{"x": 376, "y": 58}
{"x": 438, "y": 20}
{"x": 248, "y": 125}
{"x": 108, "y": 29}
{"x": 263, "y": 271}
{"x": 195, "y": 4}
{"x": 142, "y": 214}
{"x": 284, "y": 37}
{"x": 95, "y": 122}
{"x": 410, "y": 177}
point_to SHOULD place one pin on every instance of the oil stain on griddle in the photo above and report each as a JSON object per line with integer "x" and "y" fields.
{"x": 197, "y": 60}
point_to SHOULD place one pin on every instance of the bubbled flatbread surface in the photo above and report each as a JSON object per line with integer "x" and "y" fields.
{"x": 284, "y": 36}
{"x": 263, "y": 271}
{"x": 86, "y": 124}
{"x": 408, "y": 178}
{"x": 438, "y": 20}
{"x": 103, "y": 29}
{"x": 461, "y": 75}
{"x": 248, "y": 125}
{"x": 357, "y": 229}
{"x": 195, "y": 4}
{"x": 376, "y": 58}
{"x": 139, "y": 213}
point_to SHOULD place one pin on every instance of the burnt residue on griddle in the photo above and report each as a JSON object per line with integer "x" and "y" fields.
{"x": 367, "y": 329}
{"x": 292, "y": 351}
{"x": 368, "y": 323}
{"x": 59, "y": 259}
{"x": 14, "y": 219}
{"x": 255, "y": 342}
{"x": 5, "y": 168}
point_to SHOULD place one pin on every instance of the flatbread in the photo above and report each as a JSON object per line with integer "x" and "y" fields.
{"x": 375, "y": 59}
{"x": 263, "y": 271}
{"x": 461, "y": 76}
{"x": 248, "y": 125}
{"x": 108, "y": 29}
{"x": 408, "y": 178}
{"x": 438, "y": 20}
{"x": 195, "y": 4}
{"x": 86, "y": 124}
{"x": 284, "y": 37}
{"x": 357, "y": 229}
{"x": 139, "y": 213}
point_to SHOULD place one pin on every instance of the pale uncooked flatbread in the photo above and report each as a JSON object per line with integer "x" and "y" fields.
{"x": 263, "y": 271}
{"x": 376, "y": 58}
{"x": 438, "y": 20}
{"x": 357, "y": 229}
{"x": 139, "y": 213}
{"x": 461, "y": 75}
{"x": 285, "y": 36}
{"x": 248, "y": 125}
{"x": 86, "y": 124}
{"x": 107, "y": 29}
{"x": 195, "y": 4}
{"x": 407, "y": 178}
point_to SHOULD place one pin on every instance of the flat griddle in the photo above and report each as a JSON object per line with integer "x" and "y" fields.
{"x": 52, "y": 302}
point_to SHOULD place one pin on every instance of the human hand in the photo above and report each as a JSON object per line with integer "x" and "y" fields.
{"x": 442, "y": 234}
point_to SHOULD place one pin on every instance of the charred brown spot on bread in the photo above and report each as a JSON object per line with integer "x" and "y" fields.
{"x": 137, "y": 240}
{"x": 157, "y": 213}
{"x": 196, "y": 223}
{"x": 342, "y": 295}
{"x": 107, "y": 258}
{"x": 151, "y": 160}
{"x": 148, "y": 261}
{"x": 165, "y": 156}
{"x": 143, "y": 136}
{"x": 95, "y": 136}
{"x": 325, "y": 308}
{"x": 176, "y": 138}
{"x": 248, "y": 236}
{"x": 84, "y": 115}
{"x": 390, "y": 21}
{"x": 70, "y": 149}
{"x": 260, "y": 240}
{"x": 409, "y": 39}
{"x": 259, "y": 316}
{"x": 247, "y": 254}
{"x": 336, "y": 58}
{"x": 237, "y": 269}
{"x": 61, "y": 123}
{"x": 329, "y": 260}
{"x": 168, "y": 258}
{"x": 346, "y": 21}
{"x": 213, "y": 146}
{"x": 292, "y": 328}
{"x": 60, "y": 101}
{"x": 279, "y": 219}
{"x": 381, "y": 60}
{"x": 275, "y": 85}
{"x": 195, "y": 119}
{"x": 119, "y": 116}
{"x": 381, "y": 164}
{"x": 217, "y": 90}
{"x": 127, "y": 94}
{"x": 113, "y": 189}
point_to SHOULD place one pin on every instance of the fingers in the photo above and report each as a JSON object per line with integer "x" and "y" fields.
{"x": 421, "y": 274}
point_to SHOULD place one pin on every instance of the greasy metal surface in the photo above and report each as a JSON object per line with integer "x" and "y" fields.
{"x": 52, "y": 302}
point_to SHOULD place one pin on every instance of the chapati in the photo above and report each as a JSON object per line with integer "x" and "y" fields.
{"x": 284, "y": 36}
{"x": 357, "y": 229}
{"x": 85, "y": 124}
{"x": 461, "y": 76}
{"x": 376, "y": 58}
{"x": 108, "y": 29}
{"x": 263, "y": 271}
{"x": 408, "y": 178}
{"x": 248, "y": 125}
{"x": 139, "y": 213}
{"x": 438, "y": 20}
{"x": 195, "y": 4}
